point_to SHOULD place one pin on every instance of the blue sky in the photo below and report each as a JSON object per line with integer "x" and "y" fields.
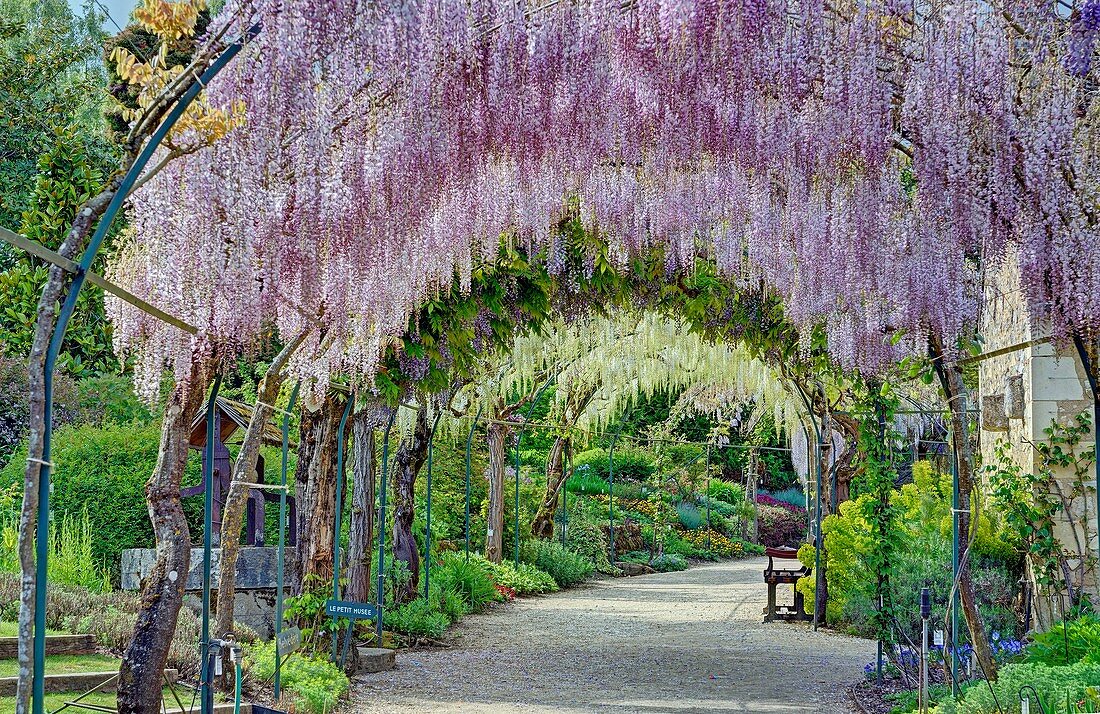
{"x": 119, "y": 9}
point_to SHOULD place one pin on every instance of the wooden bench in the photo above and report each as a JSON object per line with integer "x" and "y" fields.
{"x": 786, "y": 572}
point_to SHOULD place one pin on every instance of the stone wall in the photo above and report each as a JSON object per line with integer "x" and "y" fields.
{"x": 1020, "y": 394}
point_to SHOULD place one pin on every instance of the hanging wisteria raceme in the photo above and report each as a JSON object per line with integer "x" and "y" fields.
{"x": 865, "y": 161}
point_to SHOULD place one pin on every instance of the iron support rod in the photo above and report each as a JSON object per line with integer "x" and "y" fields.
{"x": 817, "y": 506}
{"x": 428, "y": 515}
{"x": 708, "y": 498}
{"x": 565, "y": 495}
{"x": 281, "y": 555}
{"x": 955, "y": 555}
{"x": 469, "y": 443}
{"x": 338, "y": 526}
{"x": 381, "y": 595}
{"x": 38, "y": 689}
{"x": 519, "y": 440}
{"x": 213, "y": 431}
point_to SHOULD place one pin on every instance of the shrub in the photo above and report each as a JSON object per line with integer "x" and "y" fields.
{"x": 1055, "y": 685}
{"x": 793, "y": 496}
{"x": 419, "y": 618}
{"x": 469, "y": 578}
{"x": 689, "y": 515}
{"x": 522, "y": 579}
{"x": 587, "y": 538}
{"x": 631, "y": 463}
{"x": 731, "y": 493}
{"x": 564, "y": 566}
{"x": 765, "y": 499}
{"x": 1067, "y": 642}
{"x": 586, "y": 482}
{"x": 778, "y": 526}
{"x": 103, "y": 470}
{"x": 313, "y": 684}
{"x": 669, "y": 562}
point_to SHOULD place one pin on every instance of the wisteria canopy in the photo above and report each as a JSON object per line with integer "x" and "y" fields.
{"x": 869, "y": 162}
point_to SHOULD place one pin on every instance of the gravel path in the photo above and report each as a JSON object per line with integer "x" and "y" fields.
{"x": 692, "y": 641}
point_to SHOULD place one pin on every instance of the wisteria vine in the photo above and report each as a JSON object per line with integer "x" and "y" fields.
{"x": 865, "y": 161}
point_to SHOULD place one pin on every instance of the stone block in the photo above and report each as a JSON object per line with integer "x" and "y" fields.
{"x": 993, "y": 413}
{"x": 256, "y": 567}
{"x": 375, "y": 659}
{"x": 1014, "y": 396}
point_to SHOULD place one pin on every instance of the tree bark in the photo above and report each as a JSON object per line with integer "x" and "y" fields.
{"x": 141, "y": 674}
{"x": 361, "y": 534}
{"x": 955, "y": 391}
{"x": 244, "y": 470}
{"x": 543, "y": 525}
{"x": 496, "y": 434}
{"x": 315, "y": 492}
{"x": 407, "y": 463}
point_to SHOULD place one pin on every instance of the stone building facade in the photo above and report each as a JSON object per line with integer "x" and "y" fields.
{"x": 1021, "y": 392}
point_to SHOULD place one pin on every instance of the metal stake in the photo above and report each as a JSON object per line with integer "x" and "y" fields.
{"x": 281, "y": 561}
{"x": 213, "y": 428}
{"x": 338, "y": 526}
{"x": 469, "y": 442}
{"x": 381, "y": 595}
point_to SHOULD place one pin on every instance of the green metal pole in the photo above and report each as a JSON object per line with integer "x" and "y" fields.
{"x": 469, "y": 443}
{"x": 428, "y": 518}
{"x": 565, "y": 495}
{"x": 519, "y": 440}
{"x": 381, "y": 594}
{"x": 955, "y": 565}
{"x": 708, "y": 499}
{"x": 213, "y": 429}
{"x": 281, "y": 557}
{"x": 338, "y": 526}
{"x": 1090, "y": 374}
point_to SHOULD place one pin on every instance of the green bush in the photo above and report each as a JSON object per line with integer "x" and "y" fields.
{"x": 792, "y": 495}
{"x": 471, "y": 579}
{"x": 586, "y": 537}
{"x": 689, "y": 515}
{"x": 313, "y": 684}
{"x": 669, "y": 562}
{"x": 564, "y": 566}
{"x": 419, "y": 618}
{"x": 631, "y": 463}
{"x": 1067, "y": 642}
{"x": 103, "y": 470}
{"x": 731, "y": 493}
{"x": 525, "y": 578}
{"x": 586, "y": 482}
{"x": 1055, "y": 685}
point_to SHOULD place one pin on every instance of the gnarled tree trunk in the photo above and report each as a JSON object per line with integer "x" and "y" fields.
{"x": 244, "y": 471}
{"x": 361, "y": 533}
{"x": 141, "y": 675}
{"x": 955, "y": 391}
{"x": 407, "y": 463}
{"x": 543, "y": 525}
{"x": 315, "y": 493}
{"x": 496, "y": 434}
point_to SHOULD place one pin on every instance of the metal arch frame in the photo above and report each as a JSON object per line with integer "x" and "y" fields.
{"x": 338, "y": 526}
{"x": 469, "y": 443}
{"x": 281, "y": 562}
{"x": 54, "y": 350}
{"x": 428, "y": 513}
{"x": 519, "y": 440}
{"x": 818, "y": 539}
{"x": 380, "y": 595}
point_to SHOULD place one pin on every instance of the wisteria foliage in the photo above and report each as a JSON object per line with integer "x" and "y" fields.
{"x": 866, "y": 161}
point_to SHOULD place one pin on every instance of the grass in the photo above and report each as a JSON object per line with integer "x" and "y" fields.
{"x": 56, "y": 701}
{"x": 11, "y": 629}
{"x": 66, "y": 664}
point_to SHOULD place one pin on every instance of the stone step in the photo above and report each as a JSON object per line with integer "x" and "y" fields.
{"x": 375, "y": 659}
{"x": 55, "y": 645}
{"x": 76, "y": 682}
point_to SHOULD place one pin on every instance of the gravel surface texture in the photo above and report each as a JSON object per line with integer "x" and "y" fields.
{"x": 692, "y": 641}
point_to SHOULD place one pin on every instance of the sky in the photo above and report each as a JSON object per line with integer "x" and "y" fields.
{"x": 119, "y": 9}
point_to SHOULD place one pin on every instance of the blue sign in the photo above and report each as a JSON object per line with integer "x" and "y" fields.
{"x": 352, "y": 610}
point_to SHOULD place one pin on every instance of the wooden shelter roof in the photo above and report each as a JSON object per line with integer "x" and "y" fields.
{"x": 234, "y": 415}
